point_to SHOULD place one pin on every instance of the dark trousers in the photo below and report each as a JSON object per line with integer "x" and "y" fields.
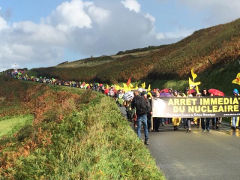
{"x": 214, "y": 122}
{"x": 156, "y": 123}
{"x": 149, "y": 123}
{"x": 162, "y": 121}
{"x": 205, "y": 123}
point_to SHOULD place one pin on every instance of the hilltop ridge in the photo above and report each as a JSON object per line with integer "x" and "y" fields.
{"x": 205, "y": 50}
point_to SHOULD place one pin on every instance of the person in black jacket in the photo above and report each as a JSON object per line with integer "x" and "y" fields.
{"x": 149, "y": 106}
{"x": 140, "y": 104}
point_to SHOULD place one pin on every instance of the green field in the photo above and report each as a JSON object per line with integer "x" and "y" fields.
{"x": 10, "y": 125}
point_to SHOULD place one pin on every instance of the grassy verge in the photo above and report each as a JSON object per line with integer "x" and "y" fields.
{"x": 10, "y": 125}
{"x": 75, "y": 135}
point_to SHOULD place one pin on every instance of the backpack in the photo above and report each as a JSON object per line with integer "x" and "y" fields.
{"x": 141, "y": 105}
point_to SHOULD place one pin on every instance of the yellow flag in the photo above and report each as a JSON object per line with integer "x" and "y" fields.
{"x": 136, "y": 86}
{"x": 149, "y": 88}
{"x": 107, "y": 86}
{"x": 193, "y": 84}
{"x": 130, "y": 85}
{"x": 117, "y": 87}
{"x": 143, "y": 85}
{"x": 237, "y": 80}
{"x": 194, "y": 76}
{"x": 197, "y": 89}
{"x": 126, "y": 88}
{"x": 149, "y": 94}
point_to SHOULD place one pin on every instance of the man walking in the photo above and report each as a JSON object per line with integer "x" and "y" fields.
{"x": 140, "y": 104}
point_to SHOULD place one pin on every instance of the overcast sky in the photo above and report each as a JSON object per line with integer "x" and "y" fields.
{"x": 47, "y": 32}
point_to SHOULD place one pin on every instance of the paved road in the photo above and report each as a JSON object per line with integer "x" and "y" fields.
{"x": 196, "y": 155}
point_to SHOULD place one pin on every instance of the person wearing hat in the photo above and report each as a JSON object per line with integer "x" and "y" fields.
{"x": 235, "y": 120}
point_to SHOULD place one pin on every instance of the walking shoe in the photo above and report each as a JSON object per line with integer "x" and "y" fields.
{"x": 146, "y": 142}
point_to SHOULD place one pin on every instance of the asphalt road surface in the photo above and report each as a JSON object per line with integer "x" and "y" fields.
{"x": 196, "y": 155}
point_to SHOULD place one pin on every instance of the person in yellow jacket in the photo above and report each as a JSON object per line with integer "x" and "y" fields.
{"x": 176, "y": 120}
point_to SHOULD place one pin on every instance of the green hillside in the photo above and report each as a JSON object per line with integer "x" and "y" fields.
{"x": 66, "y": 133}
{"x": 205, "y": 50}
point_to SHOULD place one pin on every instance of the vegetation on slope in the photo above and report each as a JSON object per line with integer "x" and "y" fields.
{"x": 203, "y": 50}
{"x": 75, "y": 135}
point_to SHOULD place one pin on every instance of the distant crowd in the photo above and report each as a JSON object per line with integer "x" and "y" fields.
{"x": 138, "y": 103}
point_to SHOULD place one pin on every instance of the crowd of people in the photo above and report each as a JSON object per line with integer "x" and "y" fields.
{"x": 138, "y": 104}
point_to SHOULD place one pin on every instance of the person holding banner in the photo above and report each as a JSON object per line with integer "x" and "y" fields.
{"x": 176, "y": 120}
{"x": 235, "y": 120}
{"x": 140, "y": 104}
{"x": 156, "y": 120}
{"x": 205, "y": 121}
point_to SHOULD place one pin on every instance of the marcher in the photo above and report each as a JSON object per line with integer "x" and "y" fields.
{"x": 176, "y": 120}
{"x": 149, "y": 106}
{"x": 140, "y": 104}
{"x": 235, "y": 120}
{"x": 205, "y": 121}
{"x": 118, "y": 94}
{"x": 156, "y": 120}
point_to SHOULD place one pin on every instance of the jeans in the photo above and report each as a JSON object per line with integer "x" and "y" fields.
{"x": 142, "y": 119}
{"x": 234, "y": 122}
{"x": 215, "y": 123}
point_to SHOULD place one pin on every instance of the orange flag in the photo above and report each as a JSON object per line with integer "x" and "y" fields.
{"x": 129, "y": 82}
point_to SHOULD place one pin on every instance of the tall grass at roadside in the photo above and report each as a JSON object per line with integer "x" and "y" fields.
{"x": 76, "y": 134}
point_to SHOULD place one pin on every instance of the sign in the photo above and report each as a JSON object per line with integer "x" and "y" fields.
{"x": 189, "y": 107}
